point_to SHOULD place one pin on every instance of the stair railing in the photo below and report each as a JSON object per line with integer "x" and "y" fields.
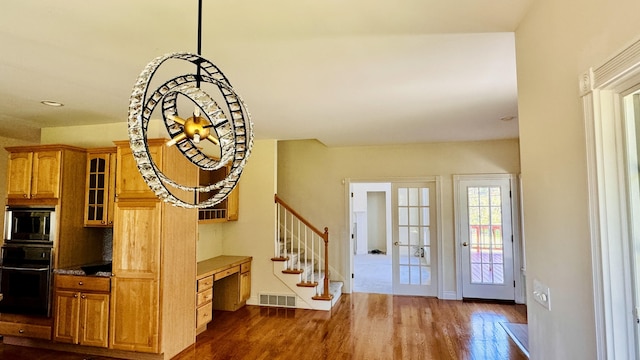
{"x": 291, "y": 229}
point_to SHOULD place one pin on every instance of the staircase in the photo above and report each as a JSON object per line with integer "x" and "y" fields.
{"x": 301, "y": 260}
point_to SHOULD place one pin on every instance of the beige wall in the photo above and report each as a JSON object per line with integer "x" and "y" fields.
{"x": 556, "y": 42}
{"x": 311, "y": 178}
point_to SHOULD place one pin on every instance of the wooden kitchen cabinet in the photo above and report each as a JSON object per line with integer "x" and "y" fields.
{"x": 152, "y": 307}
{"x": 81, "y": 310}
{"x": 34, "y": 174}
{"x": 100, "y": 187}
{"x": 245, "y": 282}
{"x": 129, "y": 182}
{"x": 54, "y": 176}
{"x": 227, "y": 210}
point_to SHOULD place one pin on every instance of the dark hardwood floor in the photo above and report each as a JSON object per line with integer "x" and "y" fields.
{"x": 360, "y": 326}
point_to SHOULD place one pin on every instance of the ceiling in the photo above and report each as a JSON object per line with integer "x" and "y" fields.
{"x": 360, "y": 72}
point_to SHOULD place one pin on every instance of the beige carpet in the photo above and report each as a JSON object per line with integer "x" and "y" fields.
{"x": 519, "y": 333}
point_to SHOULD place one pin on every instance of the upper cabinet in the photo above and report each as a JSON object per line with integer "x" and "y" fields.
{"x": 227, "y": 210}
{"x": 54, "y": 175}
{"x": 100, "y": 187}
{"x": 33, "y": 174}
{"x": 129, "y": 182}
{"x": 39, "y": 174}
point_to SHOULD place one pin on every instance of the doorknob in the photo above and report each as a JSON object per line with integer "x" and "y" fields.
{"x": 465, "y": 244}
{"x": 395, "y": 243}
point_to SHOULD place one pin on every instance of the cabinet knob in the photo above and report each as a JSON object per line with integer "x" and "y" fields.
{"x": 75, "y": 296}
{"x": 21, "y": 331}
{"x": 102, "y": 222}
{"x": 83, "y": 296}
{"x": 80, "y": 283}
{"x": 24, "y": 196}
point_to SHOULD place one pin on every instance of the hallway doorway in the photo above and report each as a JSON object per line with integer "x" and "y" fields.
{"x": 371, "y": 214}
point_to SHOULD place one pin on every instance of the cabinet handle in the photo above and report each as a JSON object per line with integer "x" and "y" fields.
{"x": 24, "y": 196}
{"x": 102, "y": 222}
{"x": 83, "y": 296}
{"x": 21, "y": 331}
{"x": 80, "y": 283}
{"x": 75, "y": 296}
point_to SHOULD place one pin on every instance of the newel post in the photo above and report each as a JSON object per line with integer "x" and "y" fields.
{"x": 325, "y": 294}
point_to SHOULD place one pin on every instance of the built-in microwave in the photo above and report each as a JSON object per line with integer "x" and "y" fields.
{"x": 29, "y": 225}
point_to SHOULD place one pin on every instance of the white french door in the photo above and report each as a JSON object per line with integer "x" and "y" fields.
{"x": 414, "y": 250}
{"x": 485, "y": 237}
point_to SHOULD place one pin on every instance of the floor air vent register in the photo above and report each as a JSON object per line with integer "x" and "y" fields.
{"x": 288, "y": 301}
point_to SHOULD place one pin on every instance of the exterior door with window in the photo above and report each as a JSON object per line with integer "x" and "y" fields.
{"x": 414, "y": 250}
{"x": 486, "y": 237}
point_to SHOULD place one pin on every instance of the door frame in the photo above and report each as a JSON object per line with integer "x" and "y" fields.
{"x": 602, "y": 88}
{"x": 349, "y": 245}
{"x": 518, "y": 248}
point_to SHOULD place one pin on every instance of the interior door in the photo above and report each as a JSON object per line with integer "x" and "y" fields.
{"x": 486, "y": 238}
{"x": 414, "y": 250}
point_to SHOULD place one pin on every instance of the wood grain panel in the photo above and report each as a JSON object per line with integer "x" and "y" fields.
{"x": 134, "y": 315}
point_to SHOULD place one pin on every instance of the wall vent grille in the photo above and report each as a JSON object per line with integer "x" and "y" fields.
{"x": 287, "y": 301}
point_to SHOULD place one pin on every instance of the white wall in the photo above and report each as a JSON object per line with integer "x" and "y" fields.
{"x": 556, "y": 42}
{"x": 311, "y": 178}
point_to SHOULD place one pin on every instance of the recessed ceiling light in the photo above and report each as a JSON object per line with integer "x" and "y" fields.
{"x": 51, "y": 103}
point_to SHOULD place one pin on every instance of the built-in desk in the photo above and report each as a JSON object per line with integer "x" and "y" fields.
{"x": 222, "y": 283}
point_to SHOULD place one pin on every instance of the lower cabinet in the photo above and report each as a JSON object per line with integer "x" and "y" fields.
{"x": 204, "y": 308}
{"x": 81, "y": 310}
{"x": 245, "y": 282}
{"x": 25, "y": 330}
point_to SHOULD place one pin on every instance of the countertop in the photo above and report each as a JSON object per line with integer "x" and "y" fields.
{"x": 79, "y": 270}
{"x": 219, "y": 263}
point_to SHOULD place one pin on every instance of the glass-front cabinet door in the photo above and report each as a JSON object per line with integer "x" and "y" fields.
{"x": 100, "y": 187}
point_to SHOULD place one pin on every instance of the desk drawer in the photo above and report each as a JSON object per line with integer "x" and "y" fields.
{"x": 205, "y": 283}
{"x": 25, "y": 330}
{"x": 225, "y": 273}
{"x": 204, "y": 297}
{"x": 204, "y": 314}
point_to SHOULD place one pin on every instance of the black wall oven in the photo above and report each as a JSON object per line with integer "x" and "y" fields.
{"x": 25, "y": 279}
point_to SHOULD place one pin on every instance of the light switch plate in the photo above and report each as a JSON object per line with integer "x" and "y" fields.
{"x": 541, "y": 294}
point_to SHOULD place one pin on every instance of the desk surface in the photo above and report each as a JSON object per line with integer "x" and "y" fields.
{"x": 219, "y": 263}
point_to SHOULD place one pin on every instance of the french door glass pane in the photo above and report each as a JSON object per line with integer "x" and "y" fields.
{"x": 413, "y": 236}
{"x": 485, "y": 234}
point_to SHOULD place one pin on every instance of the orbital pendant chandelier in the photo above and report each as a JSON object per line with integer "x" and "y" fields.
{"x": 227, "y": 127}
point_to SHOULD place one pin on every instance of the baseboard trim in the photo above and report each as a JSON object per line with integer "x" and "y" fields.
{"x": 449, "y": 295}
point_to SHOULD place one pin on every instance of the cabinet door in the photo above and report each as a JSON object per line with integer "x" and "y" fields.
{"x": 134, "y": 321}
{"x": 134, "y": 314}
{"x": 19, "y": 175}
{"x": 233, "y": 204}
{"x": 45, "y": 182}
{"x": 66, "y": 313}
{"x": 99, "y": 190}
{"x": 129, "y": 182}
{"x": 94, "y": 319}
{"x": 245, "y": 287}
